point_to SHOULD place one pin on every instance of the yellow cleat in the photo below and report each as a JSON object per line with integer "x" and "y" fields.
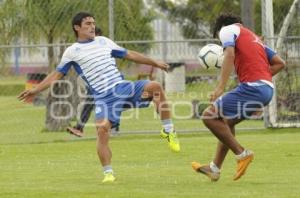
{"x": 108, "y": 178}
{"x": 172, "y": 139}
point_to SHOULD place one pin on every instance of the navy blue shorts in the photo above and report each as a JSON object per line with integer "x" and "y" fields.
{"x": 123, "y": 96}
{"x": 243, "y": 101}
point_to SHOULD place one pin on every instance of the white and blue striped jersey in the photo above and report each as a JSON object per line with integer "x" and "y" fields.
{"x": 95, "y": 63}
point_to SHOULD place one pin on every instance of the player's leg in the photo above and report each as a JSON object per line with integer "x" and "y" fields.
{"x": 222, "y": 149}
{"x": 221, "y": 130}
{"x": 242, "y": 102}
{"x": 88, "y": 107}
{"x": 255, "y": 98}
{"x": 107, "y": 116}
{"x": 103, "y": 150}
{"x": 229, "y": 106}
{"x": 85, "y": 114}
{"x": 213, "y": 169}
{"x": 155, "y": 91}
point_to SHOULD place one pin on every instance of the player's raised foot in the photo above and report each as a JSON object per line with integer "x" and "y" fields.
{"x": 242, "y": 164}
{"x": 172, "y": 140}
{"x": 108, "y": 178}
{"x": 75, "y": 131}
{"x": 205, "y": 169}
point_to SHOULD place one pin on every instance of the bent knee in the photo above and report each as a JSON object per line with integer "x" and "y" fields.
{"x": 153, "y": 89}
{"x": 209, "y": 113}
{"x": 154, "y": 86}
{"x": 103, "y": 127}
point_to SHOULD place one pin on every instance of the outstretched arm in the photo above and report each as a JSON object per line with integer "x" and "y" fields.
{"x": 140, "y": 58}
{"x": 28, "y": 95}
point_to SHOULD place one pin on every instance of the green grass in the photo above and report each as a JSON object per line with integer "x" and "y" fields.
{"x": 24, "y": 123}
{"x": 6, "y": 80}
{"x": 44, "y": 164}
{"x": 146, "y": 168}
{"x": 12, "y": 85}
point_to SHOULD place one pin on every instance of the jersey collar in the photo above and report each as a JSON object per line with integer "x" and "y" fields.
{"x": 87, "y": 41}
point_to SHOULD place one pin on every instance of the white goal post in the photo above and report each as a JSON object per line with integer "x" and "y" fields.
{"x": 271, "y": 111}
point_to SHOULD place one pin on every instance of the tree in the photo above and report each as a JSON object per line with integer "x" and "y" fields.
{"x": 132, "y": 22}
{"x": 287, "y": 21}
{"x": 10, "y": 26}
{"x": 50, "y": 21}
{"x": 197, "y": 17}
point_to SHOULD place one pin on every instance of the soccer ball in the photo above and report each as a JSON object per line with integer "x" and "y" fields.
{"x": 211, "y": 55}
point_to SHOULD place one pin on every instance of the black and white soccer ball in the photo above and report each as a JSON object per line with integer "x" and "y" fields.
{"x": 211, "y": 56}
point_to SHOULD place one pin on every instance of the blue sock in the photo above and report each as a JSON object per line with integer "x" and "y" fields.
{"x": 167, "y": 125}
{"x": 107, "y": 169}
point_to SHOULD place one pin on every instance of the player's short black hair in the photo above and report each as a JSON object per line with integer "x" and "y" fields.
{"x": 98, "y": 31}
{"x": 77, "y": 20}
{"x": 225, "y": 19}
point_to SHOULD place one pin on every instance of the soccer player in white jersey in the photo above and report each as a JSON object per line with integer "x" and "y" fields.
{"x": 93, "y": 58}
{"x": 89, "y": 105}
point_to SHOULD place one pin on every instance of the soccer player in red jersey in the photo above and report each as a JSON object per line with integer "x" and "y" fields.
{"x": 254, "y": 64}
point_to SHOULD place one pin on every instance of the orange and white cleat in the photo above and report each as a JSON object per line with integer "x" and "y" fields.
{"x": 205, "y": 169}
{"x": 242, "y": 165}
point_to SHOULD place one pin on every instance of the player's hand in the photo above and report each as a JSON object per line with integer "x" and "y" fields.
{"x": 163, "y": 66}
{"x": 27, "y": 95}
{"x": 216, "y": 94}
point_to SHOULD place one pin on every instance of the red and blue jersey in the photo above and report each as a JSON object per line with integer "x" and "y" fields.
{"x": 251, "y": 56}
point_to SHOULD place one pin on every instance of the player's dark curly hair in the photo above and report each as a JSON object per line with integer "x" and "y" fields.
{"x": 225, "y": 19}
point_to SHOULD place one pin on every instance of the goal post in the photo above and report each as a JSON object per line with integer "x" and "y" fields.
{"x": 283, "y": 110}
{"x": 268, "y": 32}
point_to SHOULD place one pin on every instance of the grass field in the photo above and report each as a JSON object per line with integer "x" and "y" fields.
{"x": 23, "y": 123}
{"x": 146, "y": 168}
{"x": 43, "y": 164}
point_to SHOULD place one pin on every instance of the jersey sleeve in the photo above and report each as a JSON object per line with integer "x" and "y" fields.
{"x": 228, "y": 35}
{"x": 116, "y": 50}
{"x": 65, "y": 63}
{"x": 270, "y": 53}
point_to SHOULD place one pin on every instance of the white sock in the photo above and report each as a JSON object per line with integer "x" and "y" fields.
{"x": 107, "y": 169}
{"x": 245, "y": 153}
{"x": 214, "y": 167}
{"x": 167, "y": 125}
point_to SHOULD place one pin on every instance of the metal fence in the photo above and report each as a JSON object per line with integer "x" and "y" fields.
{"x": 171, "y": 36}
{"x": 288, "y": 86}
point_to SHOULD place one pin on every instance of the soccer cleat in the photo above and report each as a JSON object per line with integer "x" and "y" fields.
{"x": 75, "y": 131}
{"x": 172, "y": 139}
{"x": 243, "y": 164}
{"x": 108, "y": 178}
{"x": 205, "y": 169}
{"x": 163, "y": 134}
